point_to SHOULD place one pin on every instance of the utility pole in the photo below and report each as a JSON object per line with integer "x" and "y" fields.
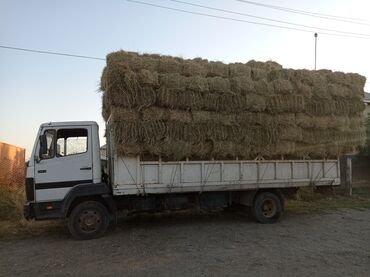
{"x": 315, "y": 48}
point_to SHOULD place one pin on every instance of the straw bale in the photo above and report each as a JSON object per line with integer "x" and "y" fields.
{"x": 263, "y": 87}
{"x": 127, "y": 115}
{"x": 146, "y": 97}
{"x": 150, "y": 62}
{"x": 294, "y": 134}
{"x": 269, "y": 65}
{"x": 285, "y": 74}
{"x": 337, "y": 90}
{"x": 319, "y": 87}
{"x": 255, "y": 103}
{"x": 241, "y": 84}
{"x": 302, "y": 89}
{"x": 285, "y": 103}
{"x": 258, "y": 74}
{"x": 155, "y": 113}
{"x": 284, "y": 119}
{"x": 170, "y": 65}
{"x": 218, "y": 84}
{"x": 305, "y": 76}
{"x": 181, "y": 116}
{"x": 211, "y": 102}
{"x": 196, "y": 83}
{"x": 128, "y": 59}
{"x": 159, "y": 105}
{"x": 209, "y": 116}
{"x": 148, "y": 78}
{"x": 217, "y": 69}
{"x": 239, "y": 70}
{"x": 195, "y": 67}
{"x": 357, "y": 79}
{"x": 173, "y": 81}
{"x": 282, "y": 86}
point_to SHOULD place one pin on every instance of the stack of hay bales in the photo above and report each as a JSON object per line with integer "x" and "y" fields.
{"x": 176, "y": 108}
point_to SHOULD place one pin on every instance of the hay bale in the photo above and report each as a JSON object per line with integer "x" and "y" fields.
{"x": 127, "y": 115}
{"x": 269, "y": 65}
{"x": 285, "y": 103}
{"x": 219, "y": 84}
{"x": 255, "y": 103}
{"x": 148, "y": 78}
{"x": 258, "y": 74}
{"x": 180, "y": 116}
{"x": 282, "y": 86}
{"x": 294, "y": 134}
{"x": 285, "y": 74}
{"x": 241, "y": 84}
{"x": 159, "y": 105}
{"x": 262, "y": 87}
{"x": 302, "y": 89}
{"x": 174, "y": 81}
{"x": 217, "y": 69}
{"x": 170, "y": 65}
{"x": 239, "y": 70}
{"x": 196, "y": 83}
{"x": 155, "y": 113}
{"x": 195, "y": 67}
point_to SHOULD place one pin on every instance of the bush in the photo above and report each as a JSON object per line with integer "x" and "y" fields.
{"x": 11, "y": 203}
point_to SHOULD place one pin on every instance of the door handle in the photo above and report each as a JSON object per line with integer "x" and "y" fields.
{"x": 85, "y": 168}
{"x": 41, "y": 171}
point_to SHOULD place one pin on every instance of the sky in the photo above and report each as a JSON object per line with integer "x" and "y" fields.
{"x": 37, "y": 88}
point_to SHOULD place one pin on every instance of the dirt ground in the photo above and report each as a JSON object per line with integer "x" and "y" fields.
{"x": 335, "y": 243}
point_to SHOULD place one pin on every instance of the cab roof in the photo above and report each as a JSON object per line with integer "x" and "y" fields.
{"x": 69, "y": 123}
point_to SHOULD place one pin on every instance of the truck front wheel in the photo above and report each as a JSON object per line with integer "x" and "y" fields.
{"x": 88, "y": 220}
{"x": 267, "y": 207}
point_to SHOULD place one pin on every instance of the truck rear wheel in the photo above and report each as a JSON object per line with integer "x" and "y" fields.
{"x": 267, "y": 207}
{"x": 88, "y": 220}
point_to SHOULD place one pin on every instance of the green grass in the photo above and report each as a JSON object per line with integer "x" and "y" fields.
{"x": 317, "y": 202}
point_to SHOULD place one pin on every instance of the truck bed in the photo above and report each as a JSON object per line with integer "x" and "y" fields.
{"x": 133, "y": 176}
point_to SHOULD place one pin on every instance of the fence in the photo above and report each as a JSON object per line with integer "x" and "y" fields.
{"x": 361, "y": 170}
{"x": 12, "y": 165}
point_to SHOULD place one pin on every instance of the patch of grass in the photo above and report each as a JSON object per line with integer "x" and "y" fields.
{"x": 11, "y": 203}
{"x": 316, "y": 202}
{"x": 12, "y": 223}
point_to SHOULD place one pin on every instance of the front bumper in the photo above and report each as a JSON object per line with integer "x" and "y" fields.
{"x": 28, "y": 211}
{"x": 44, "y": 210}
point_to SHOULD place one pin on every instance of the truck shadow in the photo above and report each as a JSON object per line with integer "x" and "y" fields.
{"x": 183, "y": 218}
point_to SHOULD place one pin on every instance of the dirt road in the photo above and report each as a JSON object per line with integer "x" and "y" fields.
{"x": 212, "y": 244}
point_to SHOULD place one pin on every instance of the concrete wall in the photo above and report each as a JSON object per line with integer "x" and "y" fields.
{"x": 12, "y": 165}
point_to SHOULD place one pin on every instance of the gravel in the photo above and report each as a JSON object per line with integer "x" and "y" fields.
{"x": 201, "y": 244}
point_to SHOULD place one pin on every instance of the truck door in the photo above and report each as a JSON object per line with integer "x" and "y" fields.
{"x": 67, "y": 162}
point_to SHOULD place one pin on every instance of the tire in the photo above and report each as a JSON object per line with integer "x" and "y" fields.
{"x": 88, "y": 220}
{"x": 267, "y": 207}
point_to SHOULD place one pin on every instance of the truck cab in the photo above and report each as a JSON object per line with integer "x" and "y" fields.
{"x": 64, "y": 167}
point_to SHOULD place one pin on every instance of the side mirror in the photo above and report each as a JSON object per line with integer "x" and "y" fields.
{"x": 43, "y": 146}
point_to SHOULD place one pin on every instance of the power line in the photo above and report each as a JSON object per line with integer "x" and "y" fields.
{"x": 359, "y": 21}
{"x": 241, "y": 20}
{"x": 50, "y": 53}
{"x": 269, "y": 19}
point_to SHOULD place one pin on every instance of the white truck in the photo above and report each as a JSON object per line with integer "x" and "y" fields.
{"x": 65, "y": 180}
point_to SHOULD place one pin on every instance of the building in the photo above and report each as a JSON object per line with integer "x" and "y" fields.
{"x": 12, "y": 165}
{"x": 367, "y": 104}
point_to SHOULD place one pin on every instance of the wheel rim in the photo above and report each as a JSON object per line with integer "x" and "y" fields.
{"x": 89, "y": 220}
{"x": 269, "y": 208}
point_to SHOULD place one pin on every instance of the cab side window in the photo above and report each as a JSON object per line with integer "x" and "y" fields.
{"x": 50, "y": 145}
{"x": 71, "y": 142}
